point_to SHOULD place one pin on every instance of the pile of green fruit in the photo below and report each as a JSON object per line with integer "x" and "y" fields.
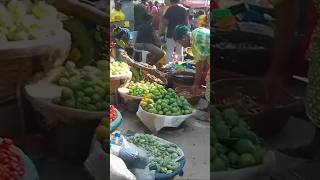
{"x": 142, "y": 88}
{"x": 233, "y": 144}
{"x": 28, "y": 20}
{"x": 166, "y": 103}
{"x": 117, "y": 68}
{"x": 85, "y": 88}
{"x": 162, "y": 157}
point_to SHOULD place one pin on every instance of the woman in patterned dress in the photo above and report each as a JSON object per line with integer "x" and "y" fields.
{"x": 285, "y": 34}
{"x": 199, "y": 40}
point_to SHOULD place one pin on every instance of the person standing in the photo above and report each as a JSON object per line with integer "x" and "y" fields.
{"x": 175, "y": 15}
{"x": 199, "y": 40}
{"x": 117, "y": 16}
{"x": 286, "y": 36}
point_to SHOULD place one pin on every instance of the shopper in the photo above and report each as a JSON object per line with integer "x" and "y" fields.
{"x": 76, "y": 8}
{"x": 175, "y": 15}
{"x": 199, "y": 40}
{"x": 282, "y": 61}
{"x": 163, "y": 10}
{"x": 155, "y": 17}
{"x": 148, "y": 40}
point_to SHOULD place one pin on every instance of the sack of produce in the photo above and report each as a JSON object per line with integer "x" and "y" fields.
{"x": 164, "y": 109}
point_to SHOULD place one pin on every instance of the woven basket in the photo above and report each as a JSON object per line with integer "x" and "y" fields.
{"x": 149, "y": 73}
{"x": 119, "y": 81}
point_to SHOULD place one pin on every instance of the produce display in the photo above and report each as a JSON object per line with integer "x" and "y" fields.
{"x": 233, "y": 144}
{"x": 117, "y": 68}
{"x": 10, "y": 162}
{"x": 167, "y": 103}
{"x": 85, "y": 88}
{"x": 163, "y": 157}
{"x": 142, "y": 88}
{"x": 27, "y": 20}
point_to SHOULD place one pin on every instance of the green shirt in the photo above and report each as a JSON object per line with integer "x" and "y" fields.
{"x": 200, "y": 40}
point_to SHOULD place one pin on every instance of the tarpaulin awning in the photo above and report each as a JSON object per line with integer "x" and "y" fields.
{"x": 196, "y": 3}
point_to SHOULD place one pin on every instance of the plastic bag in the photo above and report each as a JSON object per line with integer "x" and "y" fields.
{"x": 155, "y": 122}
{"x": 144, "y": 174}
{"x": 119, "y": 170}
{"x": 133, "y": 156}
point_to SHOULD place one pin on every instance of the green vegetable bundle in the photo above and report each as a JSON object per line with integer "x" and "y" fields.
{"x": 233, "y": 144}
{"x": 163, "y": 157}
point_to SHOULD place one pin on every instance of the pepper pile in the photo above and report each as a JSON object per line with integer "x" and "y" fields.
{"x": 113, "y": 113}
{"x": 10, "y": 163}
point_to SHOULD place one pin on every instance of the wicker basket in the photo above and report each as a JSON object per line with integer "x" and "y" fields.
{"x": 119, "y": 81}
{"x": 149, "y": 73}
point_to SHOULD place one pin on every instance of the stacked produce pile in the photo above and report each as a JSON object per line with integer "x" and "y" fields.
{"x": 10, "y": 162}
{"x": 166, "y": 102}
{"x": 85, "y": 88}
{"x": 233, "y": 144}
{"x": 28, "y": 20}
{"x": 142, "y": 88}
{"x": 118, "y": 68}
{"x": 163, "y": 157}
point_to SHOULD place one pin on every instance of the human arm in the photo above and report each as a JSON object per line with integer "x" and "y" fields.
{"x": 80, "y": 9}
{"x": 200, "y": 67}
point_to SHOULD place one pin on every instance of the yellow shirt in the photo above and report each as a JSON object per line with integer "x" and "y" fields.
{"x": 116, "y": 16}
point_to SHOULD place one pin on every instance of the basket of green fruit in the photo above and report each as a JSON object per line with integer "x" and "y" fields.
{"x": 236, "y": 151}
{"x": 120, "y": 75}
{"x": 135, "y": 91}
{"x": 83, "y": 90}
{"x": 164, "y": 110}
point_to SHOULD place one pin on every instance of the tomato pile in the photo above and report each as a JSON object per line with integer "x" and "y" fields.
{"x": 10, "y": 162}
{"x": 113, "y": 113}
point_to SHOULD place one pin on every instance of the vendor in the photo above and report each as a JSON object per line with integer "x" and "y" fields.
{"x": 117, "y": 16}
{"x": 148, "y": 40}
{"x": 287, "y": 36}
{"x": 82, "y": 9}
{"x": 199, "y": 40}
